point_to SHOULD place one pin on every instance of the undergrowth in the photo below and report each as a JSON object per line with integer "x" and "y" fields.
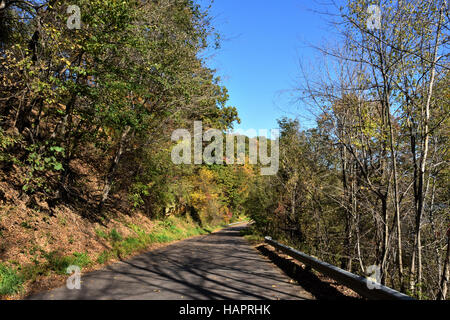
{"x": 10, "y": 280}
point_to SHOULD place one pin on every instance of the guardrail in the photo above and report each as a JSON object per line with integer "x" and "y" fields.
{"x": 357, "y": 283}
{"x": 239, "y": 222}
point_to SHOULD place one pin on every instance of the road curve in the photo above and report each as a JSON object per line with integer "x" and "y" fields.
{"x": 218, "y": 266}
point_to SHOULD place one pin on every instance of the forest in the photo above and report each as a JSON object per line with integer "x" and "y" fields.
{"x": 87, "y": 112}
{"x": 369, "y": 185}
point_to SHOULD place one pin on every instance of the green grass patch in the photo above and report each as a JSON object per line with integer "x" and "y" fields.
{"x": 26, "y": 225}
{"x": 115, "y": 236}
{"x": 59, "y": 263}
{"x": 54, "y": 262}
{"x": 101, "y": 234}
{"x": 32, "y": 271}
{"x": 104, "y": 257}
{"x": 10, "y": 280}
{"x": 252, "y": 236}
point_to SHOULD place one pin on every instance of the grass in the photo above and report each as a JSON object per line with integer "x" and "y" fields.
{"x": 101, "y": 234}
{"x": 252, "y": 236}
{"x": 169, "y": 230}
{"x": 104, "y": 257}
{"x": 10, "y": 280}
{"x": 26, "y": 225}
{"x": 59, "y": 263}
{"x": 115, "y": 236}
{"x": 54, "y": 262}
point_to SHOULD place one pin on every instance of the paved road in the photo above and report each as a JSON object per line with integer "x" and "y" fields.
{"x": 221, "y": 265}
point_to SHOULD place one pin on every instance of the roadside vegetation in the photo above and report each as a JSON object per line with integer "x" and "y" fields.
{"x": 16, "y": 279}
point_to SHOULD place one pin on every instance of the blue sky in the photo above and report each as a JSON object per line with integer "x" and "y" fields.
{"x": 259, "y": 58}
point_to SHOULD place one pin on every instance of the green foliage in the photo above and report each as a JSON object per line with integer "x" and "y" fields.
{"x": 26, "y": 225}
{"x": 6, "y": 141}
{"x": 115, "y": 235}
{"x": 101, "y": 234}
{"x": 59, "y": 263}
{"x": 131, "y": 67}
{"x": 254, "y": 238}
{"x": 40, "y": 162}
{"x": 10, "y": 280}
{"x": 55, "y": 262}
{"x": 104, "y": 257}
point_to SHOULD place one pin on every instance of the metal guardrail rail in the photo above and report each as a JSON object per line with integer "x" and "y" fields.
{"x": 240, "y": 222}
{"x": 235, "y": 223}
{"x": 357, "y": 283}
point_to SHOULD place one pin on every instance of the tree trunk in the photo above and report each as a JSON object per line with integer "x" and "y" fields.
{"x": 445, "y": 272}
{"x": 112, "y": 168}
{"x": 396, "y": 202}
{"x": 423, "y": 161}
{"x": 385, "y": 245}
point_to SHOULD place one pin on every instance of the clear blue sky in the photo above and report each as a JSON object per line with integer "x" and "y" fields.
{"x": 259, "y": 59}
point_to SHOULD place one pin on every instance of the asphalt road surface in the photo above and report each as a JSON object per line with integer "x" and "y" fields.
{"x": 218, "y": 266}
